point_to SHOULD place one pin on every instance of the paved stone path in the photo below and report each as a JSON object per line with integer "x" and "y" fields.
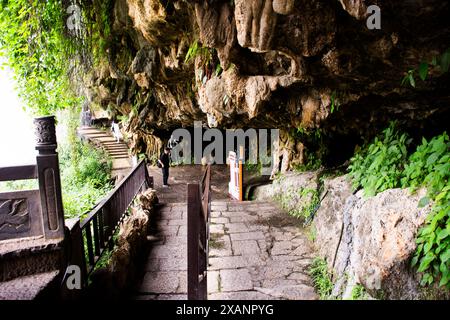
{"x": 118, "y": 151}
{"x": 256, "y": 252}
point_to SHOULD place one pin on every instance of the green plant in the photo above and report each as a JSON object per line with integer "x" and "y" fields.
{"x": 7, "y": 186}
{"x": 429, "y": 166}
{"x": 334, "y": 102}
{"x": 38, "y": 44}
{"x": 218, "y": 70}
{"x": 359, "y": 293}
{"x": 384, "y": 164}
{"x": 32, "y": 38}
{"x": 312, "y": 163}
{"x": 252, "y": 167}
{"x": 432, "y": 255}
{"x": 314, "y": 148}
{"x": 379, "y": 166}
{"x": 321, "y": 278}
{"x": 442, "y": 63}
{"x": 309, "y": 198}
{"x": 85, "y": 170}
{"x": 409, "y": 77}
{"x": 195, "y": 49}
{"x": 312, "y": 233}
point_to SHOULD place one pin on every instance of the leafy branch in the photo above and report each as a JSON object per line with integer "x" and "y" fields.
{"x": 441, "y": 63}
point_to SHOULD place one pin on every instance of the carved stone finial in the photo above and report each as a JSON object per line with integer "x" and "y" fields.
{"x": 44, "y": 128}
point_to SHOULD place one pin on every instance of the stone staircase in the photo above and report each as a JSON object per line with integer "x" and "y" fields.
{"x": 30, "y": 268}
{"x": 118, "y": 151}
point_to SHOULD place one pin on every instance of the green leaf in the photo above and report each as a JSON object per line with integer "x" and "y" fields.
{"x": 414, "y": 261}
{"x": 423, "y": 202}
{"x": 434, "y": 61}
{"x": 426, "y": 278}
{"x": 427, "y": 247}
{"x": 423, "y": 71}
{"x": 425, "y": 261}
{"x": 443, "y": 234}
{"x": 412, "y": 81}
{"x": 444, "y": 280}
{"x": 445, "y": 256}
{"x": 445, "y": 61}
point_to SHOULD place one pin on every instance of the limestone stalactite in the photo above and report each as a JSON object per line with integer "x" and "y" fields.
{"x": 271, "y": 63}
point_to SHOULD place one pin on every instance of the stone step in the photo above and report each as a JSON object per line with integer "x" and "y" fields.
{"x": 28, "y": 256}
{"x": 117, "y": 153}
{"x": 121, "y": 156}
{"x": 31, "y": 287}
{"x": 114, "y": 147}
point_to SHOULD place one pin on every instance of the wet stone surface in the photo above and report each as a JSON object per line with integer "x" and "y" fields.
{"x": 256, "y": 252}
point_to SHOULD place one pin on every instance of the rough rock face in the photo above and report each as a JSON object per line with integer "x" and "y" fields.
{"x": 389, "y": 233}
{"x": 370, "y": 241}
{"x": 283, "y": 64}
{"x": 328, "y": 220}
{"x": 288, "y": 190}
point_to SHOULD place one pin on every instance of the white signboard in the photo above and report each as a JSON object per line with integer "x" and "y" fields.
{"x": 233, "y": 186}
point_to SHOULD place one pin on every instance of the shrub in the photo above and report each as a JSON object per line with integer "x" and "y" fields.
{"x": 379, "y": 166}
{"x": 384, "y": 164}
{"x": 85, "y": 176}
{"x": 429, "y": 166}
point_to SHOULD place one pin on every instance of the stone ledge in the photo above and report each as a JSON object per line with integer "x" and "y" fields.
{"x": 27, "y": 288}
{"x": 17, "y": 247}
{"x": 27, "y": 256}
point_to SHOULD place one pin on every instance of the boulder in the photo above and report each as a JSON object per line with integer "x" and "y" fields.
{"x": 329, "y": 218}
{"x": 370, "y": 240}
{"x": 288, "y": 190}
{"x": 148, "y": 199}
{"x": 384, "y": 234}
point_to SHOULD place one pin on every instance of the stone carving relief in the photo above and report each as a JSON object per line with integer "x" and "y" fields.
{"x": 45, "y": 131}
{"x": 14, "y": 216}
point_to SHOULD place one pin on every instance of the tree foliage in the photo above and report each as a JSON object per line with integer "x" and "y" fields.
{"x": 32, "y": 38}
{"x": 45, "y": 55}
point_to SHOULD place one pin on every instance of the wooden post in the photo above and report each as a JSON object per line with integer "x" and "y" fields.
{"x": 193, "y": 240}
{"x": 49, "y": 178}
{"x": 76, "y": 257}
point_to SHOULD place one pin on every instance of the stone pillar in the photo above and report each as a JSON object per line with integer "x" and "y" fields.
{"x": 49, "y": 178}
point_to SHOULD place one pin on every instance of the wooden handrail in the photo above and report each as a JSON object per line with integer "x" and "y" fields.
{"x": 98, "y": 228}
{"x": 101, "y": 203}
{"x": 18, "y": 173}
{"x": 199, "y": 211}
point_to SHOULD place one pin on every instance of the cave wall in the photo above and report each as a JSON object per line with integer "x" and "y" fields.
{"x": 287, "y": 64}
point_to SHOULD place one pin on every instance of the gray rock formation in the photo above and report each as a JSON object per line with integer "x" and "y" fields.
{"x": 370, "y": 241}
{"x": 367, "y": 241}
{"x": 288, "y": 190}
{"x": 283, "y": 64}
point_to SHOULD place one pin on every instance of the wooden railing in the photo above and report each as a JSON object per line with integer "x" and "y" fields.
{"x": 95, "y": 233}
{"x": 199, "y": 211}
